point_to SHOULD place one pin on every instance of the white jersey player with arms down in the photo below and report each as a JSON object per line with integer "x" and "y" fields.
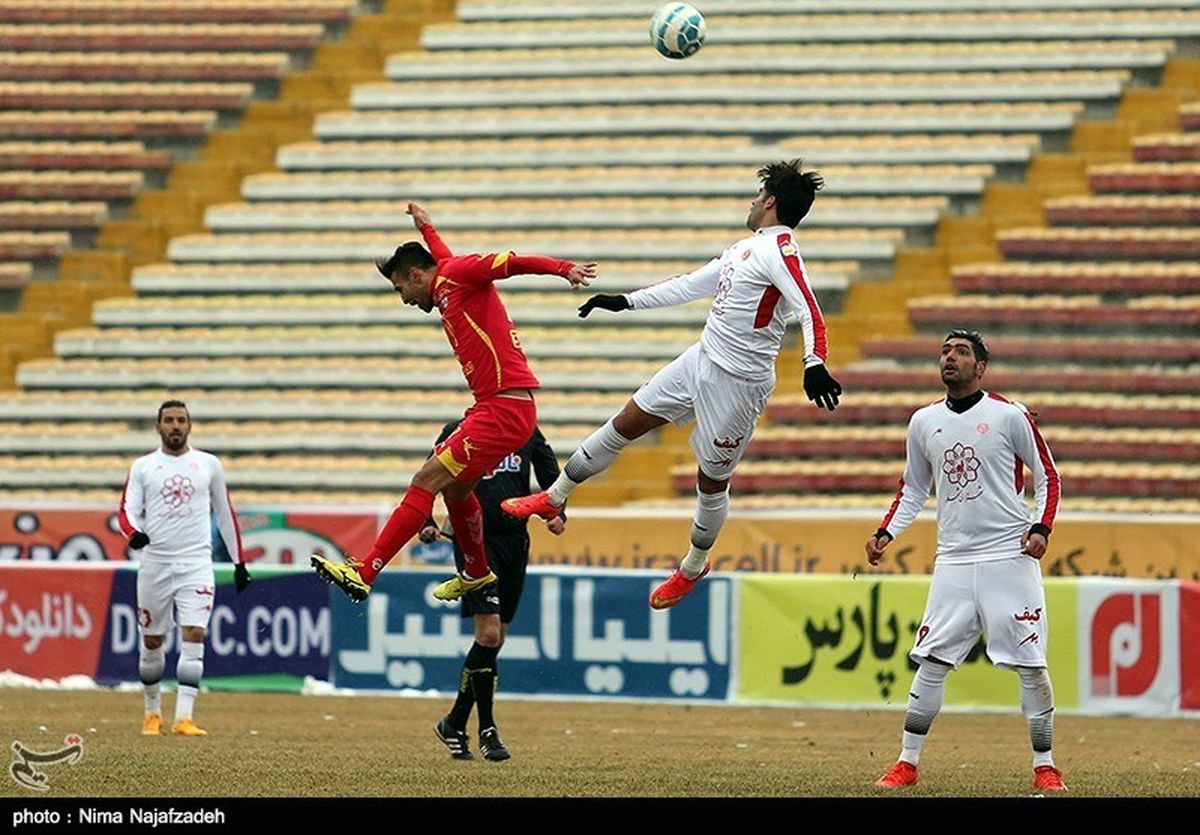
{"x": 165, "y": 512}
{"x": 724, "y": 380}
{"x": 973, "y": 448}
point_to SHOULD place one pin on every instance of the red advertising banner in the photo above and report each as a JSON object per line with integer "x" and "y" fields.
{"x": 1189, "y": 646}
{"x": 271, "y": 537}
{"x": 52, "y": 621}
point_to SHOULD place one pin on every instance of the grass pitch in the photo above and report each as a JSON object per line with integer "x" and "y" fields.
{"x": 273, "y": 745}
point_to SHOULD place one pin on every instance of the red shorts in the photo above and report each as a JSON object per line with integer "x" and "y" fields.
{"x": 490, "y": 430}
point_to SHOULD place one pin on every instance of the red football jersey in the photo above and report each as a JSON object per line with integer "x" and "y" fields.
{"x": 478, "y": 326}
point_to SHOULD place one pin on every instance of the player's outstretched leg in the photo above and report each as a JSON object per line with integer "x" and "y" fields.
{"x": 593, "y": 456}
{"x": 924, "y": 701}
{"x": 1037, "y": 703}
{"x": 712, "y": 509}
{"x": 466, "y": 517}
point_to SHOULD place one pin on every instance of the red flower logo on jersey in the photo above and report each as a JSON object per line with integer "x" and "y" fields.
{"x": 960, "y": 465}
{"x": 177, "y": 491}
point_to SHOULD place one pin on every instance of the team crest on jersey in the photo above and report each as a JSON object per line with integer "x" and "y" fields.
{"x": 961, "y": 468}
{"x": 178, "y": 490}
{"x": 982, "y": 427}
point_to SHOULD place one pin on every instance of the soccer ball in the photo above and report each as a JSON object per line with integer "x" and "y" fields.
{"x": 677, "y": 30}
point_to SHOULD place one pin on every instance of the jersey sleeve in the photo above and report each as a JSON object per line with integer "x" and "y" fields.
{"x": 680, "y": 289}
{"x": 1029, "y": 444}
{"x": 131, "y": 512}
{"x": 787, "y": 273}
{"x": 915, "y": 485}
{"x": 227, "y": 524}
{"x": 437, "y": 247}
{"x": 480, "y": 269}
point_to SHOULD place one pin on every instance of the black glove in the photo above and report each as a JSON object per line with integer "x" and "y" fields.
{"x": 821, "y": 388}
{"x": 605, "y": 302}
{"x": 138, "y": 541}
{"x": 241, "y": 577}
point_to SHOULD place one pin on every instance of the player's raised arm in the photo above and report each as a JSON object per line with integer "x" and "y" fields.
{"x": 421, "y": 220}
{"x": 479, "y": 269}
{"x": 679, "y": 289}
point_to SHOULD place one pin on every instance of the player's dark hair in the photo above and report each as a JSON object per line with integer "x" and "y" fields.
{"x": 172, "y": 404}
{"x": 411, "y": 254}
{"x": 978, "y": 346}
{"x": 793, "y": 190}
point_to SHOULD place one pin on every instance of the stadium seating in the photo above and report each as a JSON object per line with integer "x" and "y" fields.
{"x": 524, "y": 125}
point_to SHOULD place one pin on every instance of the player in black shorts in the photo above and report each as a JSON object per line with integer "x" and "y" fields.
{"x": 507, "y": 543}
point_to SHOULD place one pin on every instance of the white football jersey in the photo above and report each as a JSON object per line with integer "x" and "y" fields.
{"x": 976, "y": 461}
{"x": 168, "y": 498}
{"x": 745, "y": 326}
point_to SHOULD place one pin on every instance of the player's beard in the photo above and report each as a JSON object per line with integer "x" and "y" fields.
{"x": 175, "y": 442}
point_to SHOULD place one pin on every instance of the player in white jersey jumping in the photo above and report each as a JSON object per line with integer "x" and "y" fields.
{"x": 724, "y": 380}
{"x": 165, "y": 513}
{"x": 974, "y": 447}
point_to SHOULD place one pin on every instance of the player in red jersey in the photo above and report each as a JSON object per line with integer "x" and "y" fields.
{"x": 501, "y": 420}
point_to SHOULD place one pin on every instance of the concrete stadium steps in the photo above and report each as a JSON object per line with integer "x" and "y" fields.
{"x": 1027, "y": 314}
{"x": 68, "y": 156}
{"x": 1152, "y": 177}
{"x": 32, "y": 246}
{"x": 241, "y": 37}
{"x": 1145, "y": 378}
{"x": 584, "y": 341}
{"x": 1017, "y": 351}
{"x": 527, "y": 309}
{"x": 406, "y": 374}
{"x": 791, "y": 58}
{"x": 14, "y": 274}
{"x": 555, "y": 213}
{"x": 1120, "y": 210}
{"x": 1052, "y": 408}
{"x": 1189, "y": 116}
{"x": 52, "y": 215}
{"x": 625, "y": 151}
{"x": 699, "y": 245}
{"x": 1129, "y": 278}
{"x": 143, "y": 66}
{"x": 625, "y": 120}
{"x": 122, "y": 95}
{"x": 75, "y": 124}
{"x": 620, "y": 181}
{"x": 289, "y": 437}
{"x": 1122, "y": 242}
{"x": 242, "y": 403}
{"x": 827, "y": 28}
{"x": 1068, "y": 443}
{"x": 878, "y": 503}
{"x": 280, "y": 472}
{"x": 1092, "y": 478}
{"x": 581, "y": 89}
{"x": 70, "y": 185}
{"x": 176, "y": 11}
{"x": 829, "y": 278}
{"x": 483, "y": 10}
{"x": 1167, "y": 147}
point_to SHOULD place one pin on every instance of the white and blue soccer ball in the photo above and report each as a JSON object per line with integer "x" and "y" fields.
{"x": 677, "y": 30}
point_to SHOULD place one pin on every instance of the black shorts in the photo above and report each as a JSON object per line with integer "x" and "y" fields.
{"x": 508, "y": 556}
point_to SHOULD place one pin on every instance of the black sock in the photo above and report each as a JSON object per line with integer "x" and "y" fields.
{"x": 461, "y": 712}
{"x": 480, "y": 670}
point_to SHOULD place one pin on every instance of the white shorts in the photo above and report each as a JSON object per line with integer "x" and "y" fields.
{"x": 163, "y": 588}
{"x": 726, "y": 408}
{"x": 1003, "y": 599}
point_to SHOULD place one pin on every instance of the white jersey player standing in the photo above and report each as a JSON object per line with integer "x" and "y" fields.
{"x": 973, "y": 447}
{"x": 166, "y": 512}
{"x": 724, "y": 380}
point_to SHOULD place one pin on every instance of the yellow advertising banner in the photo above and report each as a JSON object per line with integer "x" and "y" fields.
{"x": 843, "y": 640}
{"x": 833, "y": 544}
